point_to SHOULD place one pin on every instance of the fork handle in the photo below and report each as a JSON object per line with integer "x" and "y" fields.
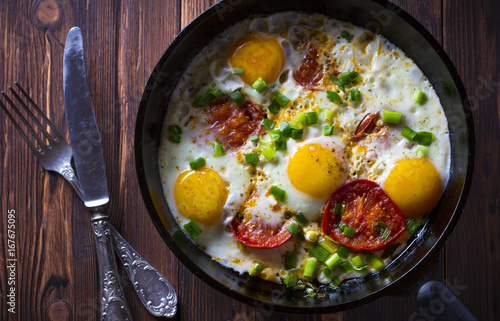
{"x": 69, "y": 175}
{"x": 113, "y": 304}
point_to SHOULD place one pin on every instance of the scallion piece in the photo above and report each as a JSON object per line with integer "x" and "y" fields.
{"x": 266, "y": 122}
{"x": 254, "y": 138}
{"x": 386, "y": 234}
{"x": 379, "y": 227}
{"x": 296, "y": 134}
{"x": 341, "y": 226}
{"x": 197, "y": 163}
{"x": 334, "y": 97}
{"x": 300, "y": 219}
{"x": 419, "y": 97}
{"x": 311, "y": 236}
{"x": 238, "y": 71}
{"x": 328, "y": 115}
{"x": 278, "y": 193}
{"x": 357, "y": 261}
{"x": 343, "y": 252}
{"x": 256, "y": 268}
{"x": 290, "y": 280}
{"x": 424, "y": 138}
{"x": 203, "y": 99}
{"x": 274, "y": 108}
{"x": 193, "y": 229}
{"x": 346, "y": 266}
{"x": 346, "y": 35}
{"x": 280, "y": 145}
{"x": 292, "y": 228}
{"x": 281, "y": 99}
{"x": 412, "y": 225}
{"x": 290, "y": 260}
{"x": 333, "y": 261}
{"x": 327, "y": 272}
{"x": 275, "y": 134}
{"x": 349, "y": 231}
{"x": 175, "y": 129}
{"x": 218, "y": 149}
{"x": 299, "y": 121}
{"x": 318, "y": 252}
{"x": 389, "y": 116}
{"x": 285, "y": 128}
{"x": 375, "y": 262}
{"x": 335, "y": 282}
{"x": 348, "y": 77}
{"x": 238, "y": 98}
{"x": 328, "y": 130}
{"x": 268, "y": 152}
{"x": 354, "y": 95}
{"x": 339, "y": 209}
{"x": 337, "y": 82}
{"x": 251, "y": 158}
{"x": 174, "y": 138}
{"x": 328, "y": 245}
{"x": 312, "y": 117}
{"x": 260, "y": 85}
{"x": 216, "y": 93}
{"x": 309, "y": 268}
{"x": 409, "y": 133}
{"x": 422, "y": 151}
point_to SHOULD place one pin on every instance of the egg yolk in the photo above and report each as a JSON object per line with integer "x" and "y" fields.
{"x": 316, "y": 171}
{"x": 200, "y": 195}
{"x": 415, "y": 186}
{"x": 258, "y": 56}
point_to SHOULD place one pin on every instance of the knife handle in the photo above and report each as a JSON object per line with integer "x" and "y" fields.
{"x": 113, "y": 304}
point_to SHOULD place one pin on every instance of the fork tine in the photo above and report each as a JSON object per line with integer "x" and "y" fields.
{"x": 19, "y": 129}
{"x": 33, "y": 117}
{"x": 40, "y": 112}
{"x": 42, "y": 144}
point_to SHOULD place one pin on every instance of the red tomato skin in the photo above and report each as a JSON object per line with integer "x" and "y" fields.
{"x": 254, "y": 235}
{"x": 310, "y": 72}
{"x": 361, "y": 188}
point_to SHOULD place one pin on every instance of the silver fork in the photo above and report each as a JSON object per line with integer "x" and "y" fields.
{"x": 156, "y": 294}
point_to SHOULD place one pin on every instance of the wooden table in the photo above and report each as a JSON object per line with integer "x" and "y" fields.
{"x": 56, "y": 270}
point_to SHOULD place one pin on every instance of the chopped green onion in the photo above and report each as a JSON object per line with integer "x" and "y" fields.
{"x": 424, "y": 138}
{"x": 290, "y": 280}
{"x": 329, "y": 246}
{"x": 274, "y": 108}
{"x": 392, "y": 117}
{"x": 310, "y": 293}
{"x": 238, "y": 71}
{"x": 260, "y": 85}
{"x": 203, "y": 99}
{"x": 349, "y": 231}
{"x": 290, "y": 260}
{"x": 411, "y": 225}
{"x": 299, "y": 121}
{"x": 337, "y": 82}
{"x": 386, "y": 234}
{"x": 343, "y": 252}
{"x": 327, "y": 272}
{"x": 275, "y": 134}
{"x": 268, "y": 153}
{"x": 334, "y": 97}
{"x": 335, "y": 282}
{"x": 197, "y": 163}
{"x": 280, "y": 145}
{"x": 333, "y": 261}
{"x": 348, "y": 77}
{"x": 328, "y": 115}
{"x": 266, "y": 122}
{"x": 339, "y": 209}
{"x": 300, "y": 219}
{"x": 285, "y": 128}
{"x": 193, "y": 229}
{"x": 218, "y": 149}
{"x": 175, "y": 129}
{"x": 251, "y": 158}
{"x": 346, "y": 35}
{"x": 379, "y": 227}
{"x": 328, "y": 130}
{"x": 318, "y": 252}
{"x": 293, "y": 228}
{"x": 174, "y": 138}
{"x": 281, "y": 99}
{"x": 409, "y": 133}
{"x": 346, "y": 266}
{"x": 311, "y": 236}
{"x": 240, "y": 245}
{"x": 254, "y": 138}
{"x": 309, "y": 267}
{"x": 216, "y": 93}
{"x": 238, "y": 97}
{"x": 278, "y": 193}
{"x": 419, "y": 97}
{"x": 312, "y": 117}
{"x": 341, "y": 226}
{"x": 296, "y": 134}
{"x": 357, "y": 261}
{"x": 354, "y": 95}
{"x": 256, "y": 268}
{"x": 422, "y": 151}
{"x": 375, "y": 262}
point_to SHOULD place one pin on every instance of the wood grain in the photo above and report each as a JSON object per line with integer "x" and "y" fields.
{"x": 56, "y": 265}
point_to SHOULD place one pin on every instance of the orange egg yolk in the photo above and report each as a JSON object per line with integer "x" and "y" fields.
{"x": 259, "y": 56}
{"x": 200, "y": 195}
{"x": 316, "y": 171}
{"x": 415, "y": 186}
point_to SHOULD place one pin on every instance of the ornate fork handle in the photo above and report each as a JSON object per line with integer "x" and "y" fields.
{"x": 157, "y": 295}
{"x": 69, "y": 175}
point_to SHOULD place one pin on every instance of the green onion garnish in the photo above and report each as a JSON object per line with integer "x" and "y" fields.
{"x": 281, "y": 99}
{"x": 339, "y": 209}
{"x": 346, "y": 266}
{"x": 348, "y": 77}
{"x": 328, "y": 115}
{"x": 329, "y": 246}
{"x": 311, "y": 236}
{"x": 238, "y": 97}
{"x": 309, "y": 267}
{"x": 343, "y": 252}
{"x": 290, "y": 260}
{"x": 193, "y": 229}
{"x": 278, "y": 193}
{"x": 275, "y": 134}
{"x": 318, "y": 252}
{"x": 386, "y": 234}
{"x": 268, "y": 123}
{"x": 419, "y": 97}
{"x": 335, "y": 282}
{"x": 238, "y": 71}
{"x": 174, "y": 138}
{"x": 203, "y": 99}
{"x": 254, "y": 138}
{"x": 274, "y": 108}
{"x": 412, "y": 225}
{"x": 341, "y": 226}
{"x": 268, "y": 153}
{"x": 197, "y": 163}
{"x": 392, "y": 117}
{"x": 409, "y": 133}
{"x": 300, "y": 219}
{"x": 334, "y": 97}
{"x": 327, "y": 272}
{"x": 280, "y": 145}
{"x": 299, "y": 121}
{"x": 256, "y": 268}
{"x": 358, "y": 261}
{"x": 312, "y": 117}
{"x": 296, "y": 134}
{"x": 293, "y": 228}
{"x": 174, "y": 132}
{"x": 379, "y": 227}
{"x": 290, "y": 280}
{"x": 346, "y": 35}
{"x": 328, "y": 130}
{"x": 216, "y": 93}
{"x": 175, "y": 129}
{"x": 333, "y": 261}
{"x": 337, "y": 82}
{"x": 285, "y": 128}
{"x": 251, "y": 158}
{"x": 260, "y": 85}
{"x": 349, "y": 231}
{"x": 424, "y": 138}
{"x": 218, "y": 149}
{"x": 354, "y": 95}
{"x": 422, "y": 151}
{"x": 375, "y": 262}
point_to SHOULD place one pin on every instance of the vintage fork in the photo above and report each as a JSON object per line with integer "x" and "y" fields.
{"x": 156, "y": 294}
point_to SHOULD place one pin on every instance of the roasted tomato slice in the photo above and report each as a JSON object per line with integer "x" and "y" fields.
{"x": 257, "y": 233}
{"x": 233, "y": 124}
{"x": 369, "y": 210}
{"x": 310, "y": 72}
{"x": 366, "y": 125}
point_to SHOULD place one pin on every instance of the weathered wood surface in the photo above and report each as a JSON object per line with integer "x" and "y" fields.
{"x": 56, "y": 270}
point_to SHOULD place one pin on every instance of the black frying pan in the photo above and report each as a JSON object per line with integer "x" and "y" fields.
{"x": 380, "y": 17}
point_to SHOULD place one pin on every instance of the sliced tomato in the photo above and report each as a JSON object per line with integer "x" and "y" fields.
{"x": 257, "y": 233}
{"x": 366, "y": 125}
{"x": 233, "y": 124}
{"x": 366, "y": 204}
{"x": 310, "y": 72}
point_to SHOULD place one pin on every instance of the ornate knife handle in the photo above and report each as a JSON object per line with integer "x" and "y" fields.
{"x": 113, "y": 304}
{"x": 156, "y": 294}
